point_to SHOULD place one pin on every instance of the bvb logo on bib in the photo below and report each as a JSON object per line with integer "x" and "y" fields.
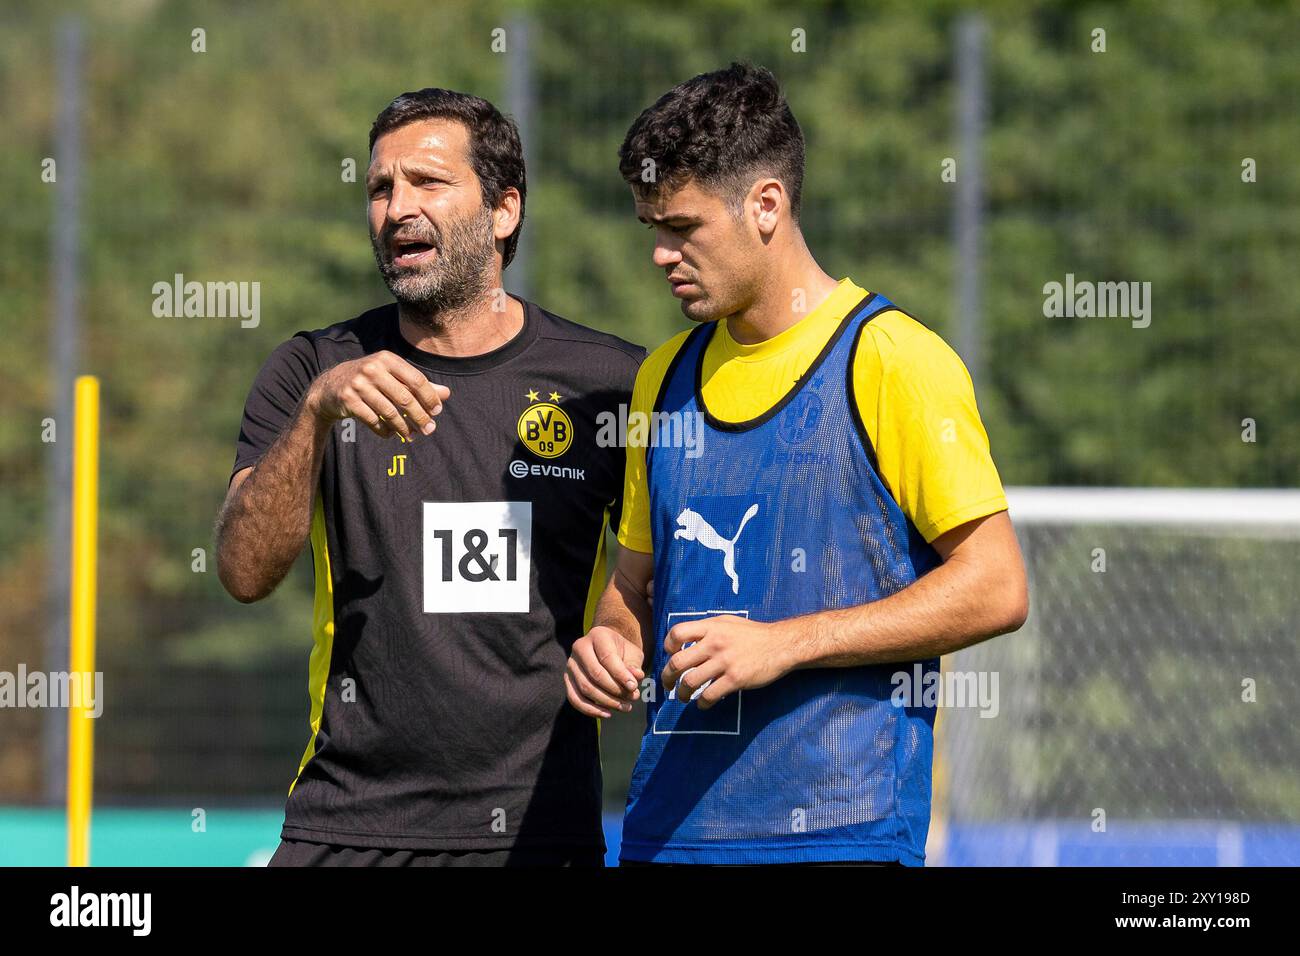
{"x": 544, "y": 428}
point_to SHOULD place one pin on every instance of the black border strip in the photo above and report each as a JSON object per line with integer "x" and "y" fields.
{"x": 852, "y": 396}
{"x": 677, "y": 360}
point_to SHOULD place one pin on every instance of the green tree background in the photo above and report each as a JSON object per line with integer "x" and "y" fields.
{"x": 226, "y": 164}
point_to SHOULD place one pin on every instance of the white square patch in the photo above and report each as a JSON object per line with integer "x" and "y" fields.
{"x": 678, "y": 718}
{"x": 477, "y": 556}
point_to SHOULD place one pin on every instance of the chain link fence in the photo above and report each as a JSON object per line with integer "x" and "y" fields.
{"x": 1149, "y": 687}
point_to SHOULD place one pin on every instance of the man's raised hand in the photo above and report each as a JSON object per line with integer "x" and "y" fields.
{"x": 382, "y": 391}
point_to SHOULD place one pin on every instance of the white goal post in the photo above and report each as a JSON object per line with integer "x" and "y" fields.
{"x": 1143, "y": 714}
{"x": 1258, "y": 508}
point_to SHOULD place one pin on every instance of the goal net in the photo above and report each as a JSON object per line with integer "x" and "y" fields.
{"x": 1144, "y": 715}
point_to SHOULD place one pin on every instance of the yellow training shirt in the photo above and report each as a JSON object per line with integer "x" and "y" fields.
{"x": 913, "y": 393}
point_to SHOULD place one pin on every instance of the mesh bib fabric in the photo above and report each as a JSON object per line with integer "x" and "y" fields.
{"x": 773, "y": 518}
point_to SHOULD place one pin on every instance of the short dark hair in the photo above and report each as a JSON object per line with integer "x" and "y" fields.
{"x": 723, "y": 129}
{"x": 495, "y": 152}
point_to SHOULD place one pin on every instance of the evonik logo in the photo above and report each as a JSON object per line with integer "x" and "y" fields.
{"x": 521, "y": 469}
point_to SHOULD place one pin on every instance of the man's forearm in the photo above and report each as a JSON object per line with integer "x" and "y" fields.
{"x": 954, "y": 606}
{"x": 263, "y": 525}
{"x": 625, "y": 609}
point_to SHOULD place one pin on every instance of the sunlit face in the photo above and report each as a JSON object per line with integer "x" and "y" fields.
{"x": 431, "y": 232}
{"x": 707, "y": 254}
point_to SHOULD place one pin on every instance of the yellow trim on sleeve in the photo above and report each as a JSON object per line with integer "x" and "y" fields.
{"x": 322, "y": 631}
{"x": 594, "y": 590}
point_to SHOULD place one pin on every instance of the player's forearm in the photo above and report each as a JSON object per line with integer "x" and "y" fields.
{"x": 954, "y": 606}
{"x": 264, "y": 524}
{"x": 623, "y": 607}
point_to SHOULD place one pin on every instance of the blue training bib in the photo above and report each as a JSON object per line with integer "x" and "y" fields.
{"x": 769, "y": 519}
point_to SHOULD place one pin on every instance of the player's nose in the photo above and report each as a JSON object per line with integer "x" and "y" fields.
{"x": 402, "y": 202}
{"x": 663, "y": 256}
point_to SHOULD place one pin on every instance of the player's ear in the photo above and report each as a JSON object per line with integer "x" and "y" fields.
{"x": 505, "y": 217}
{"x": 767, "y": 204}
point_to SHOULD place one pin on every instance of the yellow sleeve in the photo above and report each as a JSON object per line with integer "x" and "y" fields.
{"x": 918, "y": 407}
{"x": 634, "y": 528}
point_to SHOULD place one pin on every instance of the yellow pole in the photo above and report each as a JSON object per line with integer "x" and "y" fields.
{"x": 85, "y": 517}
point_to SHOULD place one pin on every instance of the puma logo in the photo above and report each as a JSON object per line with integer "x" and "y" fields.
{"x": 695, "y": 528}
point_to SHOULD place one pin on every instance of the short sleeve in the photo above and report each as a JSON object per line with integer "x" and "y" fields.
{"x": 931, "y": 447}
{"x": 634, "y": 529}
{"x": 625, "y": 385}
{"x": 275, "y": 394}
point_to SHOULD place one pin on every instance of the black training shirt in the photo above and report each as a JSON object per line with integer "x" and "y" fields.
{"x": 453, "y": 574}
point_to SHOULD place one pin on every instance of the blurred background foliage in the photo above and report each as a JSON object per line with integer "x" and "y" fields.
{"x": 226, "y": 165}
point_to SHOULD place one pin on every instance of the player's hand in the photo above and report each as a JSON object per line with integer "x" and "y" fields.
{"x": 728, "y": 653}
{"x": 382, "y": 391}
{"x": 604, "y": 673}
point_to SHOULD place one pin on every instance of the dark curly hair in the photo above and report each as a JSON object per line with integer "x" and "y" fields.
{"x": 723, "y": 130}
{"x": 495, "y": 152}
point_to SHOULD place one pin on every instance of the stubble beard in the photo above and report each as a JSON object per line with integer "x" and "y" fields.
{"x": 433, "y": 293}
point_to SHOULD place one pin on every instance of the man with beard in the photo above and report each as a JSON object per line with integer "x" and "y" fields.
{"x": 453, "y": 571}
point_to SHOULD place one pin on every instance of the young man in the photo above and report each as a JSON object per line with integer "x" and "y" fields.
{"x": 453, "y": 569}
{"x": 838, "y": 520}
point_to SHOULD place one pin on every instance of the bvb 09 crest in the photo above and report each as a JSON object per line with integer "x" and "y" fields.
{"x": 545, "y": 428}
